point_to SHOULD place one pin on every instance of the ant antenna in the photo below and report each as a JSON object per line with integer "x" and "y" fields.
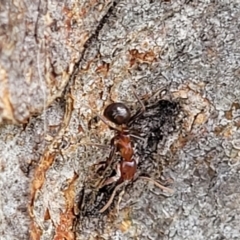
{"x": 139, "y": 100}
{"x": 140, "y": 111}
{"x": 104, "y": 119}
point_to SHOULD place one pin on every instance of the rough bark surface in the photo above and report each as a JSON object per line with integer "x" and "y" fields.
{"x": 41, "y": 43}
{"x": 57, "y": 59}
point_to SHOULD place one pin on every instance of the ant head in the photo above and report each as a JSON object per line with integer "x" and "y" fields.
{"x": 117, "y": 113}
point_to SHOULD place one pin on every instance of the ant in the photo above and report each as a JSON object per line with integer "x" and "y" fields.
{"x": 119, "y": 114}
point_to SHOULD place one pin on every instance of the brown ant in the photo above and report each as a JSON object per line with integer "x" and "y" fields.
{"x": 119, "y": 114}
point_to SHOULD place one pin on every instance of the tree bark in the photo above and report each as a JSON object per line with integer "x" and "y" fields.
{"x": 61, "y": 63}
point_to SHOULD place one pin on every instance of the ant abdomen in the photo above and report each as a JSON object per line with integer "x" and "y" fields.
{"x": 128, "y": 169}
{"x": 117, "y": 113}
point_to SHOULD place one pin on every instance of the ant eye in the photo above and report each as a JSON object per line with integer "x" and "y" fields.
{"x": 117, "y": 113}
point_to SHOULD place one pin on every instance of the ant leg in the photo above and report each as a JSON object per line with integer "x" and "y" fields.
{"x": 110, "y": 157}
{"x": 160, "y": 91}
{"x": 96, "y": 144}
{"x": 113, "y": 151}
{"x": 140, "y": 111}
{"x": 105, "y": 165}
{"x": 137, "y": 137}
{"x": 105, "y": 147}
{"x": 169, "y": 190}
{"x": 104, "y": 119}
{"x": 107, "y": 205}
{"x": 119, "y": 200}
{"x": 139, "y": 100}
{"x": 114, "y": 178}
{"x": 108, "y": 164}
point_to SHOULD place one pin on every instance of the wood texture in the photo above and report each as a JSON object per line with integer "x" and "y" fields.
{"x": 60, "y": 63}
